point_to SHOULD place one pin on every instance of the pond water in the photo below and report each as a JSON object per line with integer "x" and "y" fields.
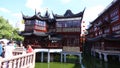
{"x": 87, "y": 62}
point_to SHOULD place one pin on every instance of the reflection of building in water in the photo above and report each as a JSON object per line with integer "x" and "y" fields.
{"x": 51, "y": 35}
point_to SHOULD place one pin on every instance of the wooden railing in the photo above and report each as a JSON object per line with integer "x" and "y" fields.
{"x": 19, "y": 61}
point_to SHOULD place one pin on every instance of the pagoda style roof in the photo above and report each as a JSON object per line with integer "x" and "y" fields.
{"x": 69, "y": 14}
{"x": 34, "y": 17}
{"x": 37, "y": 16}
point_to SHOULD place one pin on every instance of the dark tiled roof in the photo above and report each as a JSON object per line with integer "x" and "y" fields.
{"x": 69, "y": 14}
{"x": 39, "y": 17}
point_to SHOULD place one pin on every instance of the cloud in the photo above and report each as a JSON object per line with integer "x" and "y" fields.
{"x": 5, "y": 10}
{"x": 17, "y": 15}
{"x": 19, "y": 24}
{"x": 16, "y": 21}
{"x": 65, "y": 1}
{"x": 92, "y": 13}
{"x": 36, "y": 4}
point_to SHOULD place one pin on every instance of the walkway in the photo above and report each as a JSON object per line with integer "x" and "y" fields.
{"x": 65, "y": 51}
{"x": 42, "y": 51}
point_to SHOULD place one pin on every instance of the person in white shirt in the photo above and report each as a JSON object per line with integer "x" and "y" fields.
{"x": 9, "y": 49}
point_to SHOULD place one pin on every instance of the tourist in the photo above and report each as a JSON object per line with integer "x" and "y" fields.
{"x": 29, "y": 49}
{"x": 13, "y": 44}
{"x": 1, "y": 49}
{"x": 9, "y": 49}
{"x": 3, "y": 44}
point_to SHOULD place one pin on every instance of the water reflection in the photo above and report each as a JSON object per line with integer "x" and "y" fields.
{"x": 48, "y": 65}
{"x": 87, "y": 62}
{"x": 93, "y": 62}
{"x": 82, "y": 66}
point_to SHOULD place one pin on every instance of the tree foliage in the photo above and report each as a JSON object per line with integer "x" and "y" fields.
{"x": 7, "y": 31}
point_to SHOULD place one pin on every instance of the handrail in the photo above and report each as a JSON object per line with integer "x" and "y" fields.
{"x": 19, "y": 61}
{"x": 19, "y": 51}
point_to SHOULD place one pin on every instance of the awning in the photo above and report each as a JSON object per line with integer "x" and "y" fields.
{"x": 36, "y": 33}
{"x": 54, "y": 36}
{"x": 40, "y": 33}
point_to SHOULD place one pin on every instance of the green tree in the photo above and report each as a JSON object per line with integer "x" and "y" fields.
{"x": 7, "y": 31}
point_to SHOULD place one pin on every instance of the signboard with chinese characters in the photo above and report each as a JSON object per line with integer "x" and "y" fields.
{"x": 71, "y": 49}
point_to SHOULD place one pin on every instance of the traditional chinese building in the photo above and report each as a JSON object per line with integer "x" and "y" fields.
{"x": 36, "y": 28}
{"x": 69, "y": 26}
{"x": 62, "y": 30}
{"x": 104, "y": 31}
{"x": 51, "y": 35}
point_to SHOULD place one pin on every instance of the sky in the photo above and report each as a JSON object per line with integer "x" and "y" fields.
{"x": 12, "y": 9}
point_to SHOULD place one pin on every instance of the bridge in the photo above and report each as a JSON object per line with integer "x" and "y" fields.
{"x": 20, "y": 59}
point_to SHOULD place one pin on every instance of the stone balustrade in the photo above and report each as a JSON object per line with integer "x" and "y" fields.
{"x": 19, "y": 51}
{"x": 19, "y": 61}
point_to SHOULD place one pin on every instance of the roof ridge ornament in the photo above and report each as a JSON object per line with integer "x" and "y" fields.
{"x": 68, "y": 13}
{"x": 47, "y": 14}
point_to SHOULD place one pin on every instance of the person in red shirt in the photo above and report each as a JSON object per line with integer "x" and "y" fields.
{"x": 29, "y": 49}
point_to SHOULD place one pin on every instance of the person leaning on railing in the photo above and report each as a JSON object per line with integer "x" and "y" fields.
{"x": 29, "y": 49}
